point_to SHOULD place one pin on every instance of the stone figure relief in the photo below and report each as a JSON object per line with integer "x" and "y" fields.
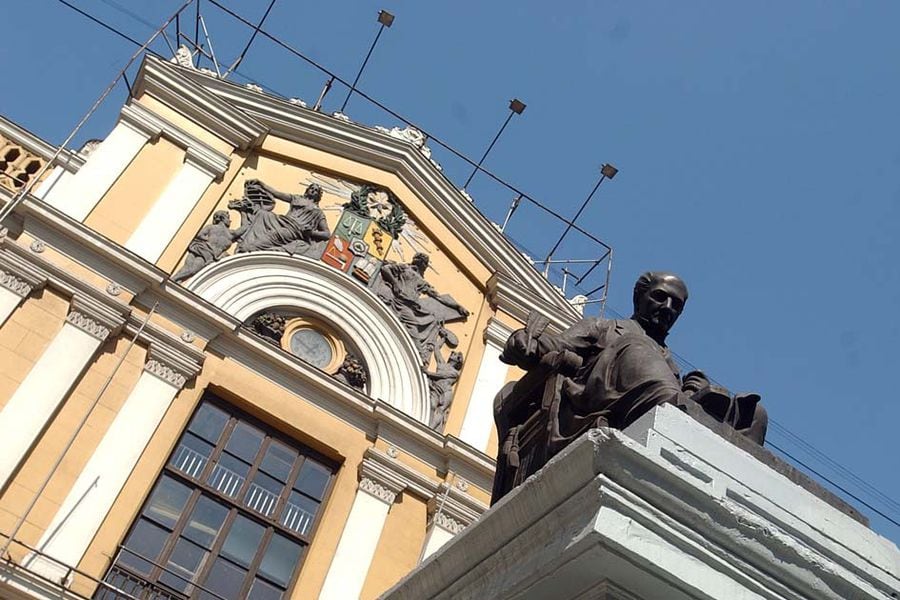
{"x": 211, "y": 244}
{"x": 270, "y": 326}
{"x": 440, "y": 387}
{"x": 603, "y": 373}
{"x": 352, "y": 372}
{"x": 303, "y": 230}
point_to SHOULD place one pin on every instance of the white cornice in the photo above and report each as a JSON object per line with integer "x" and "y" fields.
{"x": 517, "y": 301}
{"x": 161, "y": 80}
{"x": 497, "y": 333}
{"x": 382, "y": 151}
{"x": 202, "y": 154}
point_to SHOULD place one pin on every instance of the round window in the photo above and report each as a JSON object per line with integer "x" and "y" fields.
{"x": 312, "y": 346}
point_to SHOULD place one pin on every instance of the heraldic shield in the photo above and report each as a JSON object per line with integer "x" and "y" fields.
{"x": 358, "y": 246}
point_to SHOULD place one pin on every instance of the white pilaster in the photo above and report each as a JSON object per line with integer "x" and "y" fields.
{"x": 82, "y": 512}
{"x": 48, "y": 383}
{"x": 479, "y": 419}
{"x": 78, "y": 196}
{"x": 356, "y": 549}
{"x": 171, "y": 209}
{"x": 446, "y": 518}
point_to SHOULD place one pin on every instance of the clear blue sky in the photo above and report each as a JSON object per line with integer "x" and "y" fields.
{"x": 758, "y": 146}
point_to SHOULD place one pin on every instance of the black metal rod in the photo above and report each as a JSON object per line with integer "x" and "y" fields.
{"x": 362, "y": 68}
{"x": 589, "y": 271}
{"x": 127, "y": 85}
{"x": 578, "y": 214}
{"x": 324, "y": 93}
{"x": 250, "y": 41}
{"x": 197, "y": 30}
{"x": 488, "y": 151}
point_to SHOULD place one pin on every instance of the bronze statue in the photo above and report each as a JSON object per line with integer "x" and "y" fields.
{"x": 208, "y": 246}
{"x": 603, "y": 373}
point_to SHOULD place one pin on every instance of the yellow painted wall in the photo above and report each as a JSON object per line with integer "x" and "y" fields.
{"x": 399, "y": 547}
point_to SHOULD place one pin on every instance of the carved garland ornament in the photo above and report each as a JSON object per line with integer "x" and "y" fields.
{"x": 14, "y": 284}
{"x": 87, "y": 325}
{"x": 166, "y": 373}
{"x": 448, "y": 523}
{"x": 378, "y": 490}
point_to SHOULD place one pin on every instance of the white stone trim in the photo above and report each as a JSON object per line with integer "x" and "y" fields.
{"x": 497, "y": 332}
{"x": 492, "y": 374}
{"x": 11, "y": 283}
{"x": 246, "y": 284}
{"x": 94, "y": 492}
{"x": 382, "y": 492}
{"x": 171, "y": 209}
{"x": 78, "y": 196}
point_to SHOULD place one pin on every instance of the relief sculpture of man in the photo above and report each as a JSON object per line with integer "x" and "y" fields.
{"x": 607, "y": 373}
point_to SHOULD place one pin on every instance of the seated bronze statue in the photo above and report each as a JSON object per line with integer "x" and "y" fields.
{"x": 603, "y": 373}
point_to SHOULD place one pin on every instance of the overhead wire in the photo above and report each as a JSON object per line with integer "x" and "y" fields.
{"x": 818, "y": 454}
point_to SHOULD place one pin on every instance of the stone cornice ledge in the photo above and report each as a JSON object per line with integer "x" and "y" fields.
{"x": 198, "y": 151}
{"x": 513, "y": 299}
{"x": 160, "y": 80}
{"x": 607, "y": 502}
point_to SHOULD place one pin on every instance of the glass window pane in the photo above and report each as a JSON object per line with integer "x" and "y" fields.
{"x": 208, "y": 422}
{"x": 245, "y": 441}
{"x": 280, "y": 560}
{"x": 313, "y": 479}
{"x": 263, "y": 591}
{"x": 147, "y": 540}
{"x": 205, "y": 521}
{"x": 299, "y": 513}
{"x": 228, "y": 475}
{"x": 185, "y": 560}
{"x": 243, "y": 541}
{"x": 278, "y": 461}
{"x": 191, "y": 455}
{"x": 167, "y": 501}
{"x": 225, "y": 579}
{"x": 262, "y": 494}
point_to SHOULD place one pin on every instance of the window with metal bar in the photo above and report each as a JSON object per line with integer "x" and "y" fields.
{"x": 230, "y": 517}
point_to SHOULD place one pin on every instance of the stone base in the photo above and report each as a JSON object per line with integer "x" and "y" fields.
{"x": 665, "y": 510}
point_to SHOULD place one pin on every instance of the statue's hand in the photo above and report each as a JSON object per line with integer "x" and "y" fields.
{"x": 694, "y": 381}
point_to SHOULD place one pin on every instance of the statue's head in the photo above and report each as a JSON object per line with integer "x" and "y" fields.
{"x": 420, "y": 261}
{"x": 456, "y": 359}
{"x": 221, "y": 217}
{"x": 659, "y": 298}
{"x": 313, "y": 192}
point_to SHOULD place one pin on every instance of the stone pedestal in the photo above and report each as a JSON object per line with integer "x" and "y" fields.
{"x": 668, "y": 509}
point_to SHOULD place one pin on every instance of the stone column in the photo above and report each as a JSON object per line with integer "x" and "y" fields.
{"x": 51, "y": 378}
{"x": 170, "y": 210}
{"x": 377, "y": 491}
{"x": 88, "y": 502}
{"x": 479, "y": 419}
{"x": 446, "y": 518}
{"x": 78, "y": 196}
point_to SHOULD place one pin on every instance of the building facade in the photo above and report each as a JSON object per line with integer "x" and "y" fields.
{"x": 247, "y": 349}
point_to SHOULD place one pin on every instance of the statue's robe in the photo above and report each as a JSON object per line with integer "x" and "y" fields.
{"x": 290, "y": 232}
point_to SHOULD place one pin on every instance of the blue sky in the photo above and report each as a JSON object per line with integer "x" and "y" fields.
{"x": 758, "y": 146}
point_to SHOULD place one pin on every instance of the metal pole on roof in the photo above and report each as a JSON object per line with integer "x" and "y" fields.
{"x": 386, "y": 19}
{"x": 256, "y": 29}
{"x": 516, "y": 107}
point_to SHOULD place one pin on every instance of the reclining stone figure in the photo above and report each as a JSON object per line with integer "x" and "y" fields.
{"x": 603, "y": 373}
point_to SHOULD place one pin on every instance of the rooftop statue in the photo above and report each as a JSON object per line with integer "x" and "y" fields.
{"x": 603, "y": 373}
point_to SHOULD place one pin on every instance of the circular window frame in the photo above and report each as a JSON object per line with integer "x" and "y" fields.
{"x": 338, "y": 348}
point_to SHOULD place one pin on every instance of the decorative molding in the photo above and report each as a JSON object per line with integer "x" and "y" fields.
{"x": 341, "y": 117}
{"x": 68, "y": 160}
{"x": 197, "y": 151}
{"x": 446, "y": 522}
{"x": 513, "y": 299}
{"x": 166, "y": 373}
{"x": 87, "y": 324}
{"x": 187, "y": 336}
{"x": 14, "y": 284}
{"x": 378, "y": 490}
{"x": 167, "y": 83}
{"x": 113, "y": 288}
{"x": 462, "y": 484}
{"x": 496, "y": 332}
{"x": 392, "y": 451}
{"x": 37, "y": 246}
